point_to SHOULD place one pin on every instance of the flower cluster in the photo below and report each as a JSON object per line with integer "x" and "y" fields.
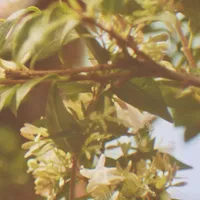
{"x": 113, "y": 182}
{"x": 148, "y": 178}
{"x": 102, "y": 180}
{"x": 157, "y": 173}
{"x": 49, "y": 165}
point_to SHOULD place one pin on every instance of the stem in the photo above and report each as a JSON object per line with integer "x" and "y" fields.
{"x": 148, "y": 197}
{"x": 11, "y": 82}
{"x": 73, "y": 179}
{"x": 33, "y": 73}
{"x": 185, "y": 45}
{"x": 95, "y": 98}
{"x": 80, "y": 77}
{"x": 146, "y": 68}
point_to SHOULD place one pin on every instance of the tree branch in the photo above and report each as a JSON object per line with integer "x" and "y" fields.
{"x": 155, "y": 71}
{"x": 142, "y": 60}
{"x": 129, "y": 67}
{"x": 28, "y": 74}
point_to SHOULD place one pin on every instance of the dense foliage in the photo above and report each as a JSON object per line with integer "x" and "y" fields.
{"x": 143, "y": 64}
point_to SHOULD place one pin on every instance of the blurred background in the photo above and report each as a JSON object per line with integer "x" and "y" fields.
{"x": 15, "y": 183}
{"x": 7, "y": 7}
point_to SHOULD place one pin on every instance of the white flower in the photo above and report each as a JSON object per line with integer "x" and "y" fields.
{"x": 115, "y": 195}
{"x": 49, "y": 172}
{"x": 124, "y": 140}
{"x": 32, "y": 132}
{"x": 101, "y": 175}
{"x": 131, "y": 117}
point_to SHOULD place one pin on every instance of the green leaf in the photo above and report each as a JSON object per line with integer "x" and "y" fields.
{"x": 99, "y": 53}
{"x": 6, "y": 32}
{"x": 59, "y": 119}
{"x": 191, "y": 9}
{"x": 191, "y": 132}
{"x": 163, "y": 159}
{"x": 176, "y": 98}
{"x": 181, "y": 165}
{"x": 180, "y": 184}
{"x": 7, "y": 96}
{"x": 148, "y": 155}
{"x": 165, "y": 196}
{"x": 71, "y": 90}
{"x": 112, "y": 6}
{"x": 61, "y": 124}
{"x": 184, "y": 104}
{"x": 41, "y": 34}
{"x": 56, "y": 36}
{"x": 20, "y": 39}
{"x": 143, "y": 93}
{"x": 119, "y": 6}
{"x": 24, "y": 89}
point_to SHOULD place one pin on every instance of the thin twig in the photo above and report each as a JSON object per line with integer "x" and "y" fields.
{"x": 11, "y": 82}
{"x": 185, "y": 45}
{"x": 80, "y": 77}
{"x": 71, "y": 71}
{"x": 155, "y": 70}
{"x": 73, "y": 179}
{"x": 148, "y": 197}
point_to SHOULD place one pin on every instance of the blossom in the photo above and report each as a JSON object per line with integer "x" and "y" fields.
{"x": 101, "y": 175}
{"x": 49, "y": 165}
{"x": 32, "y": 132}
{"x": 50, "y": 171}
{"x": 131, "y": 117}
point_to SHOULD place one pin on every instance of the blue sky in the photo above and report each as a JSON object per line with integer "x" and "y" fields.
{"x": 169, "y": 136}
